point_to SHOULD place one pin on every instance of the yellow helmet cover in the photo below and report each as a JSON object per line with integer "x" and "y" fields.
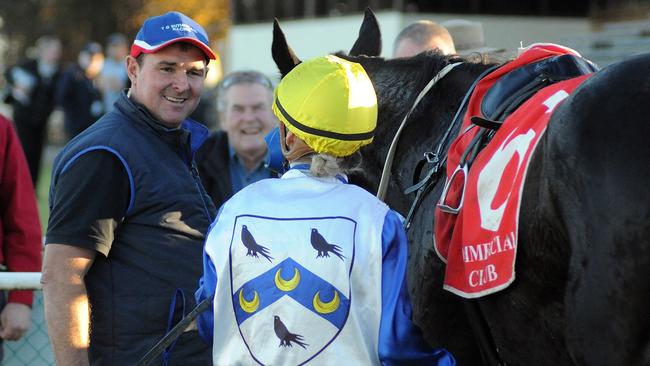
{"x": 329, "y": 103}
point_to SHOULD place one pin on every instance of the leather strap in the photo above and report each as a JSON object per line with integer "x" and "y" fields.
{"x": 385, "y": 175}
{"x": 298, "y": 150}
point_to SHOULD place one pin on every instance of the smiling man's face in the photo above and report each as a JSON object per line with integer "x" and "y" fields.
{"x": 247, "y": 118}
{"x": 169, "y": 82}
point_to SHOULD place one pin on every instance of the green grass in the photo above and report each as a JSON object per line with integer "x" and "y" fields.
{"x": 42, "y": 191}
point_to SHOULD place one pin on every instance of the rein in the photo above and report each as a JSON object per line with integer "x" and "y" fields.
{"x": 174, "y": 333}
{"x": 385, "y": 174}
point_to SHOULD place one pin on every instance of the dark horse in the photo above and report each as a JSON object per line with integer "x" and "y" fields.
{"x": 582, "y": 293}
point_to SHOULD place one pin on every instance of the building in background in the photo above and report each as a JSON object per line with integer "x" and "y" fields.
{"x": 604, "y": 31}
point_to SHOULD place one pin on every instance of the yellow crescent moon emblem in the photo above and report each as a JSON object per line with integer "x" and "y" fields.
{"x": 249, "y": 306}
{"x": 285, "y": 285}
{"x": 326, "y": 307}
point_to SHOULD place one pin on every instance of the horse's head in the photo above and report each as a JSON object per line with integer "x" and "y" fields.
{"x": 368, "y": 43}
{"x": 397, "y": 83}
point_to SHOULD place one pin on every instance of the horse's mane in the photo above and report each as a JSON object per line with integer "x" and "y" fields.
{"x": 421, "y": 69}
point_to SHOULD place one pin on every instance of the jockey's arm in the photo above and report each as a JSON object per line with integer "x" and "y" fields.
{"x": 207, "y": 287}
{"x": 66, "y": 301}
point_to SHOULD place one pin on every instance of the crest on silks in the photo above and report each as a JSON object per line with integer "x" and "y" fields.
{"x": 290, "y": 281}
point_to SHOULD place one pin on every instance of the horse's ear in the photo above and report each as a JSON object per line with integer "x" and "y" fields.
{"x": 369, "y": 41}
{"x": 283, "y": 55}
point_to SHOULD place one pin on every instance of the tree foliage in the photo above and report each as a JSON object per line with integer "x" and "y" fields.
{"x": 213, "y": 15}
{"x": 79, "y": 21}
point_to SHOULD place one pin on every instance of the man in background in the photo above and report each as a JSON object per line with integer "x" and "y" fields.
{"x": 469, "y": 39}
{"x": 234, "y": 157}
{"x": 420, "y": 36}
{"x": 20, "y": 233}
{"x": 78, "y": 91}
{"x": 113, "y": 78}
{"x": 31, "y": 88}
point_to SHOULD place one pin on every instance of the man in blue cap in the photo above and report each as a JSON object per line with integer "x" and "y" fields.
{"x": 129, "y": 213}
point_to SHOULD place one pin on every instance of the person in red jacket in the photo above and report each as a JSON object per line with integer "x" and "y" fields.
{"x": 20, "y": 232}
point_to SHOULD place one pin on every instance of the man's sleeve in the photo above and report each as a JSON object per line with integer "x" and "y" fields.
{"x": 400, "y": 341}
{"x": 89, "y": 201}
{"x": 20, "y": 227}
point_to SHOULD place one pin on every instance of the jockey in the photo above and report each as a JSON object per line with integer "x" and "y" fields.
{"x": 308, "y": 268}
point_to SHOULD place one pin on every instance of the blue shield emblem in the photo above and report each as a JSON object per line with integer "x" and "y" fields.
{"x": 290, "y": 281}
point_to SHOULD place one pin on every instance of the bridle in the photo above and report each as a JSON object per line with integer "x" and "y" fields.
{"x": 438, "y": 158}
{"x": 385, "y": 174}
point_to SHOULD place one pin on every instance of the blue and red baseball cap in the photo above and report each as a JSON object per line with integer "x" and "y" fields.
{"x": 161, "y": 31}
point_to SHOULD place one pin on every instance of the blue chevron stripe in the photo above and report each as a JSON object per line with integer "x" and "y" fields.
{"x": 309, "y": 285}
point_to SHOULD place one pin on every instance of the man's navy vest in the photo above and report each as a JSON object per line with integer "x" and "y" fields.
{"x": 158, "y": 246}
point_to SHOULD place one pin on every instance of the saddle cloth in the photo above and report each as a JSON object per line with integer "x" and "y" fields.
{"x": 479, "y": 241}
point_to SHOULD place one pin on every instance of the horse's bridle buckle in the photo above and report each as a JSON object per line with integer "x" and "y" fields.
{"x": 431, "y": 157}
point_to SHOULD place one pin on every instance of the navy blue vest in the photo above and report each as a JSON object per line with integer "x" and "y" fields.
{"x": 158, "y": 246}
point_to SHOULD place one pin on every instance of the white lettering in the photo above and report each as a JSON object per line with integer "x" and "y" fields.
{"x": 470, "y": 253}
{"x": 496, "y": 241}
{"x": 509, "y": 241}
{"x": 480, "y": 277}
{"x": 181, "y": 27}
{"x": 491, "y": 272}
{"x": 554, "y": 100}
{"x": 486, "y": 250}
{"x": 472, "y": 280}
{"x": 490, "y": 178}
{"x": 483, "y": 251}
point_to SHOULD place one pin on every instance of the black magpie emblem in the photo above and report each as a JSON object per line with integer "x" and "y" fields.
{"x": 323, "y": 247}
{"x": 285, "y": 336}
{"x": 253, "y": 248}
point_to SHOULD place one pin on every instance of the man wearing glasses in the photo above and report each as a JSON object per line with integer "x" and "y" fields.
{"x": 233, "y": 158}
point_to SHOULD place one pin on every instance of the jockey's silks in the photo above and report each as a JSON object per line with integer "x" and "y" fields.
{"x": 298, "y": 264}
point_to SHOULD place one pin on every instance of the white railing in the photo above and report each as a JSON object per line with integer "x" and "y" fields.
{"x": 20, "y": 280}
{"x": 34, "y": 348}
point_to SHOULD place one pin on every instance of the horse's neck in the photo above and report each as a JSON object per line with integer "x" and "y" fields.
{"x": 427, "y": 126}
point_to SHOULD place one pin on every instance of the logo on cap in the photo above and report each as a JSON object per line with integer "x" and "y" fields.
{"x": 180, "y": 27}
{"x": 164, "y": 30}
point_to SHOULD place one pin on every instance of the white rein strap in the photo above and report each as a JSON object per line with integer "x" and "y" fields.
{"x": 385, "y": 174}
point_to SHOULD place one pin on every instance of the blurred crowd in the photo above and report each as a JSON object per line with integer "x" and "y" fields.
{"x": 84, "y": 90}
